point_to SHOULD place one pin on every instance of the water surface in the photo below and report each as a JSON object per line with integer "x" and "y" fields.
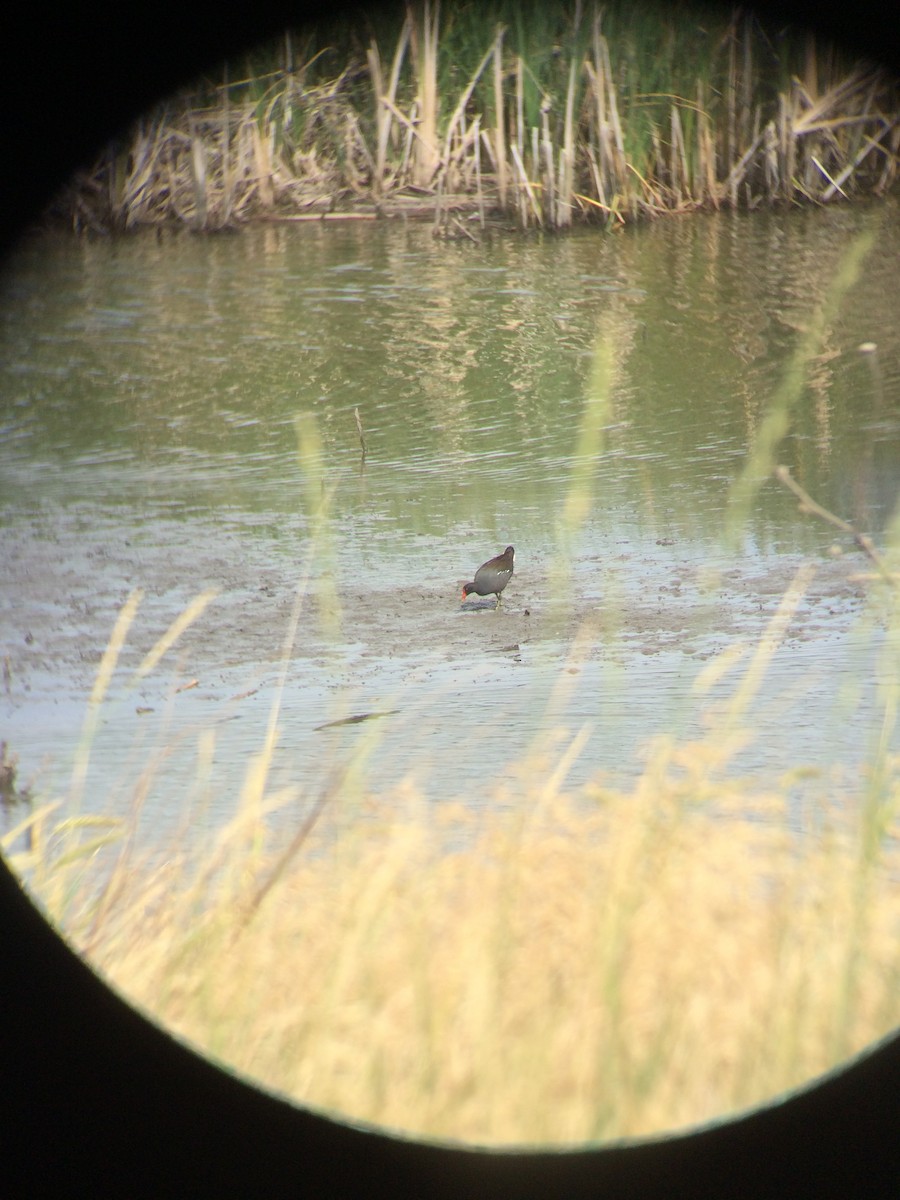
{"x": 149, "y": 395}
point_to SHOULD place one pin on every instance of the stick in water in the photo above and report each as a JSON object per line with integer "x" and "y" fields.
{"x": 359, "y": 430}
{"x": 808, "y": 505}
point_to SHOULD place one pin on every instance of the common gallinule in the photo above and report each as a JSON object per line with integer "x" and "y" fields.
{"x": 492, "y": 577}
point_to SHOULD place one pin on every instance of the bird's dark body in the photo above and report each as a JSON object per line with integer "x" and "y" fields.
{"x": 493, "y": 576}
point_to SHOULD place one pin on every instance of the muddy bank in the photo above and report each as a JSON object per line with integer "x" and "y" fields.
{"x": 63, "y": 585}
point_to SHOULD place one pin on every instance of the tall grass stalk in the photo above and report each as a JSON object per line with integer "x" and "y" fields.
{"x": 773, "y": 427}
{"x": 499, "y": 118}
{"x": 424, "y": 24}
{"x": 385, "y": 101}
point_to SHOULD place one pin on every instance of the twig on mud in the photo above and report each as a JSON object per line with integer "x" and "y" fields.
{"x": 808, "y": 505}
{"x": 359, "y": 430}
{"x": 357, "y": 719}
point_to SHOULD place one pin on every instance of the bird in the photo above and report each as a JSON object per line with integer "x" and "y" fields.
{"x": 493, "y": 576}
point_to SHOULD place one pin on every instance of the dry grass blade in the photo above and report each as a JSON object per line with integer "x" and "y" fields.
{"x": 761, "y": 459}
{"x": 870, "y": 144}
{"x": 458, "y": 114}
{"x": 527, "y": 185}
{"x": 565, "y": 183}
{"x": 424, "y": 45}
{"x": 499, "y": 126}
{"x": 385, "y": 100}
{"x": 813, "y": 508}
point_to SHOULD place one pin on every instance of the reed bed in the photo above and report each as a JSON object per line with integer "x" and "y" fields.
{"x": 535, "y": 114}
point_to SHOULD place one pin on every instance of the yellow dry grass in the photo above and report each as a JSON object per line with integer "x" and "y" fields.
{"x": 556, "y": 968}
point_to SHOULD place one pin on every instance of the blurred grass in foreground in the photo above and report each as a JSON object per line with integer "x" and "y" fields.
{"x": 556, "y": 968}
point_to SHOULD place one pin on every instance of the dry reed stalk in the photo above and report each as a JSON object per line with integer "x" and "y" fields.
{"x": 892, "y": 160}
{"x": 549, "y": 173}
{"x": 785, "y": 146}
{"x": 592, "y": 146}
{"x": 487, "y": 143}
{"x": 651, "y": 198}
{"x": 680, "y": 174}
{"x": 499, "y": 125}
{"x": 355, "y": 215}
{"x": 408, "y": 141}
{"x": 382, "y": 116}
{"x": 619, "y": 161}
{"x": 463, "y": 163}
{"x": 479, "y": 194}
{"x": 770, "y": 160}
{"x": 383, "y": 122}
{"x": 657, "y": 164}
{"x": 731, "y": 136}
{"x": 424, "y": 44}
{"x": 706, "y": 151}
{"x": 816, "y": 109}
{"x": 746, "y": 106}
{"x": 198, "y": 173}
{"x": 528, "y": 189}
{"x": 566, "y": 178}
{"x": 829, "y": 115}
{"x": 264, "y": 170}
{"x": 457, "y": 119}
{"x": 225, "y": 136}
{"x": 589, "y": 202}
{"x": 737, "y": 174}
{"x": 414, "y": 136}
{"x": 808, "y": 506}
{"x": 520, "y": 102}
{"x": 595, "y": 176}
{"x": 600, "y": 152}
{"x": 147, "y": 150}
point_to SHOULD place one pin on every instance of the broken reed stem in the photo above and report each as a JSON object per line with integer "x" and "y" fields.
{"x": 812, "y": 507}
{"x": 359, "y": 430}
{"x": 499, "y": 131}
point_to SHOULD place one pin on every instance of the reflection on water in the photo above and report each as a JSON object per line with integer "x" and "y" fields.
{"x": 149, "y": 392}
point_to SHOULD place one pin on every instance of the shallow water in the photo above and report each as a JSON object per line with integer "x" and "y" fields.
{"x": 149, "y": 395}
